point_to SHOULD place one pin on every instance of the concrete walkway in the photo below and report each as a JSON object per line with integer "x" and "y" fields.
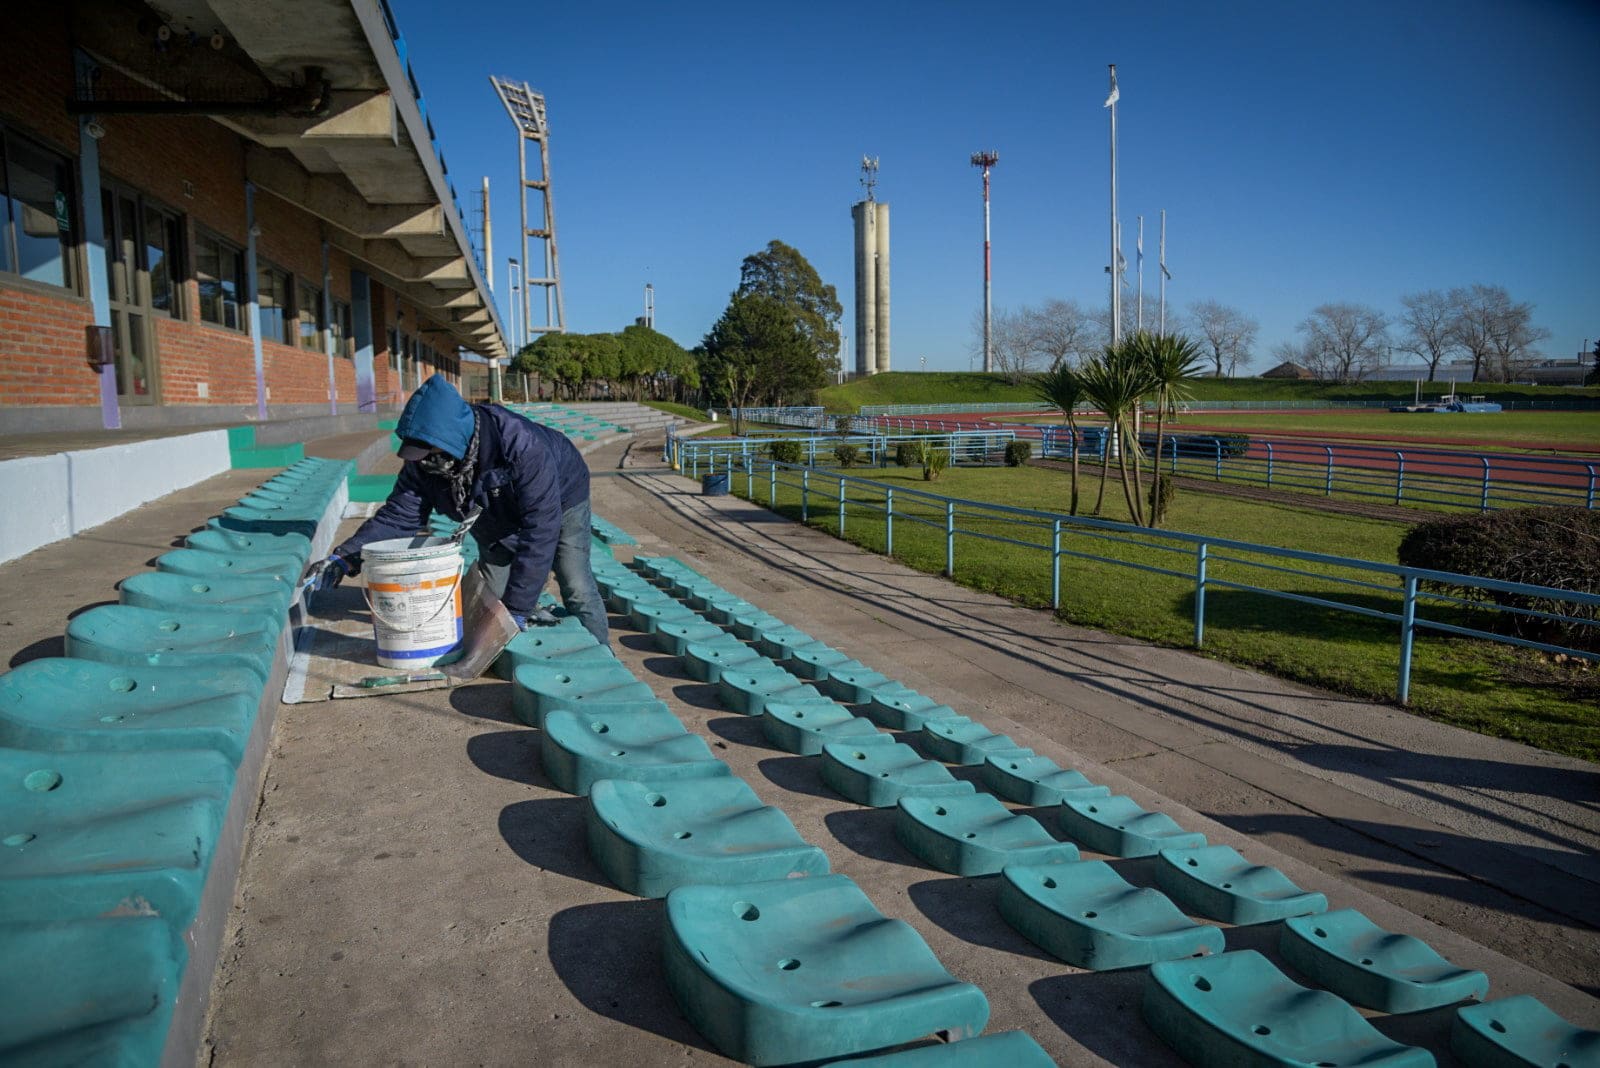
{"x": 414, "y": 890}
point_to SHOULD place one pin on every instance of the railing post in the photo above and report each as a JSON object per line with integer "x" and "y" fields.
{"x": 888, "y": 522}
{"x": 1174, "y": 443}
{"x": 749, "y": 478}
{"x": 950, "y": 539}
{"x": 1269, "y": 465}
{"x": 1590, "y": 502}
{"x": 805, "y": 494}
{"x": 1055, "y": 567}
{"x": 1218, "y": 443}
{"x": 1483, "y": 502}
{"x": 1199, "y": 594}
{"x": 772, "y": 484}
{"x": 1399, "y": 476}
{"x": 1328, "y": 489}
{"x": 841, "y": 506}
{"x": 1408, "y": 626}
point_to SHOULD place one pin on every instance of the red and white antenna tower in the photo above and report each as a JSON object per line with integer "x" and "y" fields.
{"x": 986, "y": 160}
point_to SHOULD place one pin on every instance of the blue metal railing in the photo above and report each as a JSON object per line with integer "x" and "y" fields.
{"x": 1193, "y": 557}
{"x": 1543, "y": 404}
{"x": 695, "y": 457}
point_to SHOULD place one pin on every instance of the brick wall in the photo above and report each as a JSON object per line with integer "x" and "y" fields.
{"x": 195, "y": 167}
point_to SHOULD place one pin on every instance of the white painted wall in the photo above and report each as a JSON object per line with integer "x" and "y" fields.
{"x": 47, "y": 498}
{"x": 34, "y": 508}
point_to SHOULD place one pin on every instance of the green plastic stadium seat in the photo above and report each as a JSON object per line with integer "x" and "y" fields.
{"x": 1350, "y": 955}
{"x": 581, "y": 748}
{"x": 1090, "y": 917}
{"x": 807, "y": 969}
{"x": 1036, "y": 780}
{"x": 1215, "y": 881}
{"x": 879, "y": 775}
{"x": 805, "y": 728}
{"x": 975, "y": 835}
{"x": 1117, "y": 826}
{"x": 1521, "y": 1032}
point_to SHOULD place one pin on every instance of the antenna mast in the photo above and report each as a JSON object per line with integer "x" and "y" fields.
{"x": 869, "y": 174}
{"x": 986, "y": 160}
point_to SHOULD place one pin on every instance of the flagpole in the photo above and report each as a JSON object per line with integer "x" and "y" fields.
{"x": 1116, "y": 277}
{"x": 1139, "y": 303}
{"x": 1163, "y": 272}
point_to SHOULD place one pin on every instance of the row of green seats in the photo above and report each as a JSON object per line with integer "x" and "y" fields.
{"x": 769, "y": 956}
{"x": 1083, "y": 911}
{"x": 117, "y": 766}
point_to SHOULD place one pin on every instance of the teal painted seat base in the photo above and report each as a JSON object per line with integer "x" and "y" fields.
{"x": 1347, "y": 953}
{"x": 1520, "y": 1032}
{"x": 807, "y": 970}
{"x": 1089, "y": 916}
{"x": 1236, "y": 1008}
{"x": 581, "y": 748}
{"x": 654, "y": 836}
{"x": 1117, "y": 826}
{"x": 975, "y": 835}
{"x": 880, "y": 775}
{"x": 805, "y": 729}
{"x": 1036, "y": 780}
{"x": 1216, "y": 882}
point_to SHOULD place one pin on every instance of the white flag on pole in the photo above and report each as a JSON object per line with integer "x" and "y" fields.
{"x": 1138, "y": 245}
{"x": 1116, "y": 94}
{"x": 1166, "y": 272}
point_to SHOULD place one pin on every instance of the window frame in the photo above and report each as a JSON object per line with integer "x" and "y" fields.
{"x": 314, "y": 341}
{"x": 225, "y": 249}
{"x": 72, "y": 262}
{"x": 287, "y": 333}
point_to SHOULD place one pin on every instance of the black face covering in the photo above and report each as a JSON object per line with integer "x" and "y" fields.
{"x": 440, "y": 464}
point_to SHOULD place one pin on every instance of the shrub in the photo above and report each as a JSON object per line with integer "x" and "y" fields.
{"x": 1017, "y": 453}
{"x": 1557, "y": 547}
{"x": 785, "y": 452}
{"x": 1159, "y": 508}
{"x": 906, "y": 454}
{"x": 846, "y": 455}
{"x": 934, "y": 461}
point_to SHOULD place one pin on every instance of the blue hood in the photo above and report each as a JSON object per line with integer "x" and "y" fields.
{"x": 437, "y": 414}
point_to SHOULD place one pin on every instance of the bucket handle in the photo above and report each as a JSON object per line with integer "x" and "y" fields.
{"x": 367, "y": 596}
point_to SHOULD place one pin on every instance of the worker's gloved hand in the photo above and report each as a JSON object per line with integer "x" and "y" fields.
{"x": 326, "y": 574}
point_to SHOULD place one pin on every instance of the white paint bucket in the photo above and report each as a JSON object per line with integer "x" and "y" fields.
{"x": 414, "y": 591}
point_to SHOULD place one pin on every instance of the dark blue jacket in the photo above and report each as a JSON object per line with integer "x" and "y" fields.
{"x": 527, "y": 476}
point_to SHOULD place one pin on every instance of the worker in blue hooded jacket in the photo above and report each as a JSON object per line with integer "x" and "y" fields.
{"x": 530, "y": 482}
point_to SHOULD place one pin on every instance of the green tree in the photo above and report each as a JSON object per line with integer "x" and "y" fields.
{"x": 645, "y": 356}
{"x": 781, "y": 272}
{"x": 556, "y": 358}
{"x": 1114, "y": 382}
{"x": 1169, "y": 360}
{"x": 1062, "y": 388}
{"x": 755, "y": 335}
{"x": 1594, "y": 375}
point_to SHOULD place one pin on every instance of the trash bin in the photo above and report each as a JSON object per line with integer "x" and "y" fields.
{"x": 714, "y": 485}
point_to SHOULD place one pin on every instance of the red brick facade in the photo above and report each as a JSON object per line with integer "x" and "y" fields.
{"x": 194, "y": 167}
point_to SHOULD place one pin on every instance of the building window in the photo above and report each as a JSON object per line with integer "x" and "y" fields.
{"x": 308, "y": 301}
{"x": 163, "y": 257}
{"x": 339, "y": 329}
{"x": 273, "y": 317}
{"x": 38, "y": 216}
{"x": 219, "y": 270}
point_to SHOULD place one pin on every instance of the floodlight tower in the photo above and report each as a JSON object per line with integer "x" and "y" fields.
{"x": 986, "y": 160}
{"x": 871, "y": 217}
{"x": 527, "y": 111}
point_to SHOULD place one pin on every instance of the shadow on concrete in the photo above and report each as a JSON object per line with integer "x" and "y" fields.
{"x": 510, "y": 755}
{"x": 742, "y": 730}
{"x": 870, "y": 832}
{"x": 698, "y": 695}
{"x": 639, "y": 643}
{"x": 485, "y": 699}
{"x": 548, "y": 833}
{"x": 966, "y": 908}
{"x": 56, "y": 646}
{"x": 1100, "y": 1010}
{"x": 668, "y": 667}
{"x": 609, "y": 958}
{"x": 796, "y": 773}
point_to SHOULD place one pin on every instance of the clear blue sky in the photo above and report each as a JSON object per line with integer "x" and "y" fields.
{"x": 1304, "y": 153}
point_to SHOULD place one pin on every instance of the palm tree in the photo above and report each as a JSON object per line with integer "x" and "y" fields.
{"x": 1114, "y": 382}
{"x": 1168, "y": 361}
{"x": 1062, "y": 388}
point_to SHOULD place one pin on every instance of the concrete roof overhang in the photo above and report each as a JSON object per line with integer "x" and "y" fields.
{"x": 323, "y": 90}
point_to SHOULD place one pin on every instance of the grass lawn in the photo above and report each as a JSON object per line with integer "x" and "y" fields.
{"x": 682, "y": 411}
{"x": 971, "y": 387}
{"x": 1478, "y": 685}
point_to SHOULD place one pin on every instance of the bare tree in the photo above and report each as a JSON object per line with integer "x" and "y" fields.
{"x": 1295, "y": 352}
{"x": 1428, "y": 326}
{"x": 1060, "y": 331}
{"x": 1496, "y": 331}
{"x": 1009, "y": 335}
{"x": 1226, "y": 333}
{"x": 1344, "y": 341}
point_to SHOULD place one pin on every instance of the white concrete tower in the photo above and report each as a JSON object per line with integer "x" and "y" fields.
{"x": 872, "y": 276}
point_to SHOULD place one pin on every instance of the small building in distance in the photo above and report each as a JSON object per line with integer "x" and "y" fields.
{"x": 1288, "y": 369}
